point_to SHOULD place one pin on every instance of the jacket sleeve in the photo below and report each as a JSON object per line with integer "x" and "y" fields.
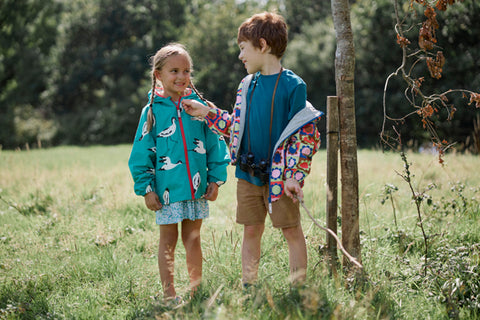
{"x": 217, "y": 157}
{"x": 300, "y": 148}
{"x": 219, "y": 121}
{"x": 142, "y": 158}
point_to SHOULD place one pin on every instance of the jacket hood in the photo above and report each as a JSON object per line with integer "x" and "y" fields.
{"x": 159, "y": 97}
{"x": 307, "y": 114}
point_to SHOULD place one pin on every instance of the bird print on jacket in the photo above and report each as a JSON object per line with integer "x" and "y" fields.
{"x": 148, "y": 189}
{"x": 144, "y": 128}
{"x": 199, "y": 146}
{"x": 166, "y": 197}
{"x": 167, "y": 163}
{"x": 196, "y": 181}
{"x": 168, "y": 131}
{"x": 144, "y": 131}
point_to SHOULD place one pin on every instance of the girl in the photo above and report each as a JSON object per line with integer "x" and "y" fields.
{"x": 177, "y": 164}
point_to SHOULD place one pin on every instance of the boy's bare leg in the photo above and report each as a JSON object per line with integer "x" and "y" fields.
{"x": 297, "y": 253}
{"x": 252, "y": 238}
{"x": 193, "y": 250}
{"x": 166, "y": 258}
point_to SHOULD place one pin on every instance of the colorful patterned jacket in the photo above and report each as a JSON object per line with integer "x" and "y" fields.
{"x": 293, "y": 151}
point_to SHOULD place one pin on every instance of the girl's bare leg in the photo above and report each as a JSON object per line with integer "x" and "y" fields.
{"x": 166, "y": 258}
{"x": 193, "y": 250}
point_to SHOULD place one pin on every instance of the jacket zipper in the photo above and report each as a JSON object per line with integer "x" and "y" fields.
{"x": 192, "y": 190}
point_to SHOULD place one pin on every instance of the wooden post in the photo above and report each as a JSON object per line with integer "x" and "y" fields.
{"x": 332, "y": 176}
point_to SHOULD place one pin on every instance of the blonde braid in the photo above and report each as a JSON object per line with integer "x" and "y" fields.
{"x": 150, "y": 111}
{"x": 200, "y": 96}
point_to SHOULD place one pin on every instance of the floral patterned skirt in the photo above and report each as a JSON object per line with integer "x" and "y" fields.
{"x": 178, "y": 211}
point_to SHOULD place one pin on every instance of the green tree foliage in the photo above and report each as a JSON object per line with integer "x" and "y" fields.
{"x": 311, "y": 55}
{"x": 377, "y": 55}
{"x": 101, "y": 80}
{"x": 77, "y": 72}
{"x": 302, "y": 13}
{"x": 211, "y": 38}
{"x": 27, "y": 36}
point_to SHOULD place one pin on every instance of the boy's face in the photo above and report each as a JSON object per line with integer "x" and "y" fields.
{"x": 252, "y": 57}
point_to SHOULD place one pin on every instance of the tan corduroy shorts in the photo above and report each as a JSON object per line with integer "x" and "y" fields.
{"x": 252, "y": 207}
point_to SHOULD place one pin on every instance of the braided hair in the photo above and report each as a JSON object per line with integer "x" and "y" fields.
{"x": 157, "y": 62}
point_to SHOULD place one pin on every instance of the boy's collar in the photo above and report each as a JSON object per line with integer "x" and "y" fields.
{"x": 272, "y": 68}
{"x": 259, "y": 73}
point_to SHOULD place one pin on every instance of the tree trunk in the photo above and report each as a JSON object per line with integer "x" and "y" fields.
{"x": 344, "y": 76}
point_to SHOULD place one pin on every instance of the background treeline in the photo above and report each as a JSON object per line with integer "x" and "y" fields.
{"x": 77, "y": 72}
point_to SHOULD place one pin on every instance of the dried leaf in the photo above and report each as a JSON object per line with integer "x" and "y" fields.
{"x": 475, "y": 97}
{"x": 402, "y": 41}
{"x": 435, "y": 66}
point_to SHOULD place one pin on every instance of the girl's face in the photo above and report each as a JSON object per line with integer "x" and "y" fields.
{"x": 175, "y": 76}
{"x": 252, "y": 57}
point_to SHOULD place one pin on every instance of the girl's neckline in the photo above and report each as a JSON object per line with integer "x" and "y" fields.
{"x": 159, "y": 93}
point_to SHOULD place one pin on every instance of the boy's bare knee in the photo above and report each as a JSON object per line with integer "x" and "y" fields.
{"x": 292, "y": 233}
{"x": 253, "y": 231}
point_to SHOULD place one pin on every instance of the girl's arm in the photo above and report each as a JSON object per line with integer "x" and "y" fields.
{"x": 212, "y": 191}
{"x": 152, "y": 201}
{"x": 218, "y": 157}
{"x": 142, "y": 158}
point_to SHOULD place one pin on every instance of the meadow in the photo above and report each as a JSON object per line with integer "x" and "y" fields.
{"x": 76, "y": 243}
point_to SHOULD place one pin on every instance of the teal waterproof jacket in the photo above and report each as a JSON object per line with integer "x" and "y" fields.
{"x": 180, "y": 156}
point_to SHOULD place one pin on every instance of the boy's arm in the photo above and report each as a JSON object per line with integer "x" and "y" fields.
{"x": 300, "y": 148}
{"x": 219, "y": 121}
{"x": 293, "y": 189}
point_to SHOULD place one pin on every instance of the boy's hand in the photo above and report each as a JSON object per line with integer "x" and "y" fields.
{"x": 293, "y": 190}
{"x": 212, "y": 192}
{"x": 152, "y": 201}
{"x": 195, "y": 108}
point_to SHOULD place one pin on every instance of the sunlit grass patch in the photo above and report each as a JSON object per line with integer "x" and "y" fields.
{"x": 75, "y": 242}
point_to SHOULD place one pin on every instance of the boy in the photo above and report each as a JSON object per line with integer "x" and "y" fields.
{"x": 272, "y": 140}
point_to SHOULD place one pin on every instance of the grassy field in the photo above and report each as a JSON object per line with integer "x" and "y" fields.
{"x": 76, "y": 243}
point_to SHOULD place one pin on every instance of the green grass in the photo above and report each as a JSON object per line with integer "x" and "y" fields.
{"x": 76, "y": 243}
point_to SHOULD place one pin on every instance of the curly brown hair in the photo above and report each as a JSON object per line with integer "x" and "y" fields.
{"x": 266, "y": 25}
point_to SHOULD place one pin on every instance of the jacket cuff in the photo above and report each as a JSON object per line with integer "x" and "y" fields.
{"x": 212, "y": 114}
{"x": 294, "y": 174}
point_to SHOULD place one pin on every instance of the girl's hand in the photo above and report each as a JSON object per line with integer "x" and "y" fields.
{"x": 212, "y": 192}
{"x": 293, "y": 190}
{"x": 195, "y": 108}
{"x": 152, "y": 201}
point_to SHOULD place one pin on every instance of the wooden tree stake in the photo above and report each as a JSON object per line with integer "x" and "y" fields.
{"x": 332, "y": 176}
